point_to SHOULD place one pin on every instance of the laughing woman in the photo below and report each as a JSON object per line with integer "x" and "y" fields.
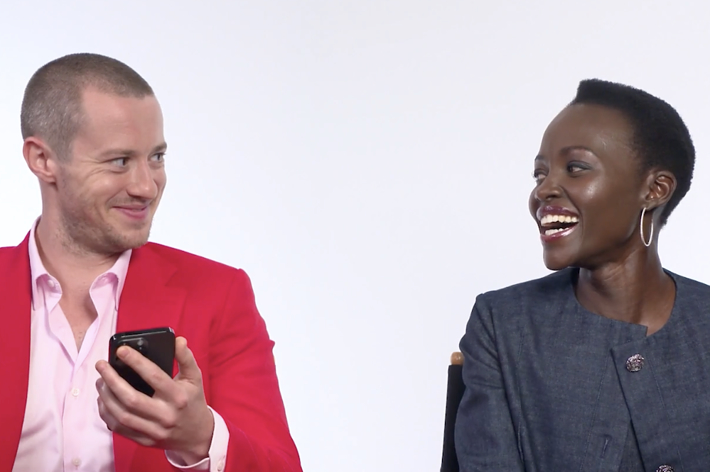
{"x": 603, "y": 365}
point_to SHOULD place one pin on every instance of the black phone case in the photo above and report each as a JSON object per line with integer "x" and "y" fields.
{"x": 158, "y": 345}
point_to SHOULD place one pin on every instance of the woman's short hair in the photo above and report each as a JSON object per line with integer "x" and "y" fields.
{"x": 661, "y": 139}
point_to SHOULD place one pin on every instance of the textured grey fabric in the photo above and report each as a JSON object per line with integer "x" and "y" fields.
{"x": 631, "y": 458}
{"x": 547, "y": 388}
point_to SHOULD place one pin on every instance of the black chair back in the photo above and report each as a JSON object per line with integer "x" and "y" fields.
{"x": 454, "y": 393}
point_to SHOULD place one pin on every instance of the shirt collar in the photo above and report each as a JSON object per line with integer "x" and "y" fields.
{"x": 38, "y": 271}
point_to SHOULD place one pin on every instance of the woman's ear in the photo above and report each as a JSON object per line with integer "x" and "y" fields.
{"x": 660, "y": 186}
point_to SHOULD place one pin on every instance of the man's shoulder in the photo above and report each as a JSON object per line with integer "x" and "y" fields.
{"x": 7, "y": 250}
{"x": 7, "y": 254}
{"x": 187, "y": 265}
{"x": 13, "y": 254}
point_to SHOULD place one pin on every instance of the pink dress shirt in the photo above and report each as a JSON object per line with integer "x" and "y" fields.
{"x": 62, "y": 430}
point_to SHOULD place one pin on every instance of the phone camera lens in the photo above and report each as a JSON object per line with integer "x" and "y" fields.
{"x": 141, "y": 345}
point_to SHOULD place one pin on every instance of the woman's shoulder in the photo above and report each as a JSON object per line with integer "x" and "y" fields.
{"x": 550, "y": 286}
{"x": 528, "y": 305}
{"x": 688, "y": 289}
{"x": 692, "y": 283}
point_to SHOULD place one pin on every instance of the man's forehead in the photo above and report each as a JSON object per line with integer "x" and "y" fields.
{"x": 104, "y": 92}
{"x": 129, "y": 123}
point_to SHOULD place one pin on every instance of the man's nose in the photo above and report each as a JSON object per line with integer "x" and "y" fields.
{"x": 143, "y": 181}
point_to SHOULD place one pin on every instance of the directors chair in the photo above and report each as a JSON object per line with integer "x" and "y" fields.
{"x": 454, "y": 393}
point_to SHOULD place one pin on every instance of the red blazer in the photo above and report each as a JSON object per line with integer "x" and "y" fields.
{"x": 210, "y": 304}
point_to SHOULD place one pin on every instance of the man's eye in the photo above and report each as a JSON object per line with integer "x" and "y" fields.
{"x": 121, "y": 161}
{"x": 159, "y": 157}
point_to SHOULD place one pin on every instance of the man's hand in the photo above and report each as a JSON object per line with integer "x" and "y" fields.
{"x": 176, "y": 418}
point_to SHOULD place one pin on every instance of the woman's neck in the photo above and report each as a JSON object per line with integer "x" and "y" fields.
{"x": 635, "y": 291}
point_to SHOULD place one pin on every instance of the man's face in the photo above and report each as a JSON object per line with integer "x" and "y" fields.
{"x": 109, "y": 188}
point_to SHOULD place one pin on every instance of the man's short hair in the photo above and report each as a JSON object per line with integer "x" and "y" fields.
{"x": 660, "y": 140}
{"x": 52, "y": 108}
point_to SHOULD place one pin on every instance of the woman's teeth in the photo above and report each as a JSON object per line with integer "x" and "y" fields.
{"x": 548, "y": 219}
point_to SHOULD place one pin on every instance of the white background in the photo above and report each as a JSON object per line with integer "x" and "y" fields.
{"x": 368, "y": 163}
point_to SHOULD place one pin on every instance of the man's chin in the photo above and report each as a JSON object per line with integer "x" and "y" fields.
{"x": 136, "y": 244}
{"x": 128, "y": 241}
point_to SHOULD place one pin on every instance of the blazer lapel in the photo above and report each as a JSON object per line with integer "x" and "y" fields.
{"x": 147, "y": 301}
{"x": 15, "y": 312}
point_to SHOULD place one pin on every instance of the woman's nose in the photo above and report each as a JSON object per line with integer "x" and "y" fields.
{"x": 547, "y": 189}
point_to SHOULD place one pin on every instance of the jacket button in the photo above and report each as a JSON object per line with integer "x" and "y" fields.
{"x": 665, "y": 468}
{"x": 634, "y": 364}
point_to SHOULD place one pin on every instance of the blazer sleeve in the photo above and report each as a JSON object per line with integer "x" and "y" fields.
{"x": 244, "y": 388}
{"x": 485, "y": 436}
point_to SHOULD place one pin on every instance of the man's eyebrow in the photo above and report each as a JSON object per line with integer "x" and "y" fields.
{"x": 162, "y": 147}
{"x": 118, "y": 152}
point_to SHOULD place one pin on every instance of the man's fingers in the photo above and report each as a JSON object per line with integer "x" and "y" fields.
{"x": 116, "y": 427}
{"x": 146, "y": 369}
{"x": 114, "y": 405}
{"x": 120, "y": 419}
{"x": 189, "y": 370}
{"x": 131, "y": 399}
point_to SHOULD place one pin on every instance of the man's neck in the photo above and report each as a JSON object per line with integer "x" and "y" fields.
{"x": 74, "y": 267}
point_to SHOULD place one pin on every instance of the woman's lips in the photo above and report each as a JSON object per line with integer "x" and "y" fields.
{"x": 551, "y": 235}
{"x": 556, "y": 222}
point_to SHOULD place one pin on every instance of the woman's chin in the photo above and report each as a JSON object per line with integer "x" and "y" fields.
{"x": 555, "y": 263}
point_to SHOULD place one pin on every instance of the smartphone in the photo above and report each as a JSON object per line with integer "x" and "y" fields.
{"x": 157, "y": 344}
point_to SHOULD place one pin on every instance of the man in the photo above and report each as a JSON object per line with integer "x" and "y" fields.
{"x": 93, "y": 136}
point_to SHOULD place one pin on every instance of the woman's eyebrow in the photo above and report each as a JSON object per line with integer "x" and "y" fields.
{"x": 569, "y": 149}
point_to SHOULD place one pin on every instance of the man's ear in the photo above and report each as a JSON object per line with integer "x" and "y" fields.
{"x": 660, "y": 186}
{"x": 41, "y": 159}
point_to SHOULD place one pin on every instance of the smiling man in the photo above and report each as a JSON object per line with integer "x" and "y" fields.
{"x": 93, "y": 136}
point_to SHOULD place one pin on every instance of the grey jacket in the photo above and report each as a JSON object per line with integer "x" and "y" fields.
{"x": 552, "y": 387}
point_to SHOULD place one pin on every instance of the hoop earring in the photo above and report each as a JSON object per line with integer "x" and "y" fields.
{"x": 643, "y": 239}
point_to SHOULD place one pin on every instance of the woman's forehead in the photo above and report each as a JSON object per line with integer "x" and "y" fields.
{"x": 587, "y": 125}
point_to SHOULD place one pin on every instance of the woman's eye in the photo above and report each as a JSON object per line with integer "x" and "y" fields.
{"x": 574, "y": 168}
{"x": 538, "y": 175}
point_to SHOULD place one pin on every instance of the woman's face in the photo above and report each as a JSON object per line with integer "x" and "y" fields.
{"x": 589, "y": 191}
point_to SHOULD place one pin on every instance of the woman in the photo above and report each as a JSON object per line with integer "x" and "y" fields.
{"x": 603, "y": 365}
